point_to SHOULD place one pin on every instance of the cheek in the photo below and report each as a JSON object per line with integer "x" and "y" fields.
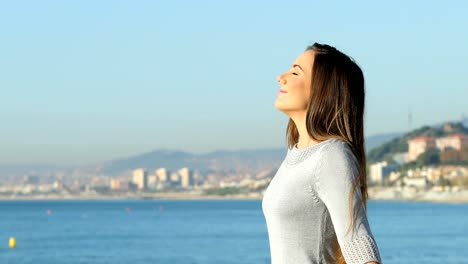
{"x": 301, "y": 93}
{"x": 299, "y": 87}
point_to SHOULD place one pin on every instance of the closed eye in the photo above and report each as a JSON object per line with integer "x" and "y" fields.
{"x": 295, "y": 73}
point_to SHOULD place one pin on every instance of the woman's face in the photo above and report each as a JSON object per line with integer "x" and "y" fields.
{"x": 294, "y": 92}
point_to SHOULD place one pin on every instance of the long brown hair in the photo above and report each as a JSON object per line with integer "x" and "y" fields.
{"x": 336, "y": 110}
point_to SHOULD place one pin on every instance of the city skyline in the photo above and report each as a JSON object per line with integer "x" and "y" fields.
{"x": 91, "y": 81}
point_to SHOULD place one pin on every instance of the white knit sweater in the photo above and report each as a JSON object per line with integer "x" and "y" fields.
{"x": 306, "y": 208}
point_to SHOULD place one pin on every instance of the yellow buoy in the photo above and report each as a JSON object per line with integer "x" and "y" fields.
{"x": 12, "y": 242}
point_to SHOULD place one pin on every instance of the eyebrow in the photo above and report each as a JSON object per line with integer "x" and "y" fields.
{"x": 296, "y": 65}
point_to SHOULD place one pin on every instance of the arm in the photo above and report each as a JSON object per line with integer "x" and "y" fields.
{"x": 337, "y": 170}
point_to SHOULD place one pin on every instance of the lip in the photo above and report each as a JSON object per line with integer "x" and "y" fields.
{"x": 282, "y": 91}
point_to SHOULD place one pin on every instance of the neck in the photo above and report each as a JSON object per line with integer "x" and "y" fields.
{"x": 304, "y": 139}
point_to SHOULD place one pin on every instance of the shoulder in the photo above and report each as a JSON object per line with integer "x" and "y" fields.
{"x": 336, "y": 157}
{"x": 337, "y": 148}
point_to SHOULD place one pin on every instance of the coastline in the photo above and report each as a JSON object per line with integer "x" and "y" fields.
{"x": 417, "y": 195}
{"x": 152, "y": 196}
{"x": 375, "y": 194}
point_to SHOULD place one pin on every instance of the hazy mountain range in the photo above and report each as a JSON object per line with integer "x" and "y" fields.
{"x": 220, "y": 160}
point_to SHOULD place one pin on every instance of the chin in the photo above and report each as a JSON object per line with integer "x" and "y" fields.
{"x": 278, "y": 106}
{"x": 281, "y": 108}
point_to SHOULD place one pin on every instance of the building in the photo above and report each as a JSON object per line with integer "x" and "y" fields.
{"x": 115, "y": 184}
{"x": 118, "y": 185}
{"x": 419, "y": 181}
{"x": 162, "y": 174}
{"x": 152, "y": 181}
{"x": 401, "y": 158}
{"x": 455, "y": 141}
{"x": 174, "y": 179}
{"x": 186, "y": 177}
{"x": 140, "y": 178}
{"x": 381, "y": 170}
{"x": 419, "y": 145}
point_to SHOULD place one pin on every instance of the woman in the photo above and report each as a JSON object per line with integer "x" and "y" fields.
{"x": 315, "y": 205}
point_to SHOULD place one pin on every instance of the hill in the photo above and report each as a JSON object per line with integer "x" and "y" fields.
{"x": 399, "y": 144}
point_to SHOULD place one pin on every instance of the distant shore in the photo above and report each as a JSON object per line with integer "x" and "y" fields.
{"x": 151, "y": 196}
{"x": 375, "y": 194}
{"x": 415, "y": 194}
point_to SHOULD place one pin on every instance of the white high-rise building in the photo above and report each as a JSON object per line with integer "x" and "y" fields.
{"x": 140, "y": 178}
{"x": 163, "y": 174}
{"x": 380, "y": 170}
{"x": 186, "y": 177}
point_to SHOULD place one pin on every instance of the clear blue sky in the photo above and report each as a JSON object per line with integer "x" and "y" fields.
{"x": 87, "y": 81}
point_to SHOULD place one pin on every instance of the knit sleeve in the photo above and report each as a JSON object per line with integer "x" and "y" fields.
{"x": 338, "y": 168}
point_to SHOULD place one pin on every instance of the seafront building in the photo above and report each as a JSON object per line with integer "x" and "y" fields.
{"x": 140, "y": 178}
{"x": 419, "y": 145}
{"x": 162, "y": 174}
{"x": 186, "y": 177}
{"x": 379, "y": 171}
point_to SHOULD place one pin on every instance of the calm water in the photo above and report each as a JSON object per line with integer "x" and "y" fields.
{"x": 206, "y": 231}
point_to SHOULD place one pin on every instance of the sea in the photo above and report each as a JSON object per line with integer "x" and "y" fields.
{"x": 206, "y": 231}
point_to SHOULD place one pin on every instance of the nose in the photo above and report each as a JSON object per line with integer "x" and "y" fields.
{"x": 279, "y": 79}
